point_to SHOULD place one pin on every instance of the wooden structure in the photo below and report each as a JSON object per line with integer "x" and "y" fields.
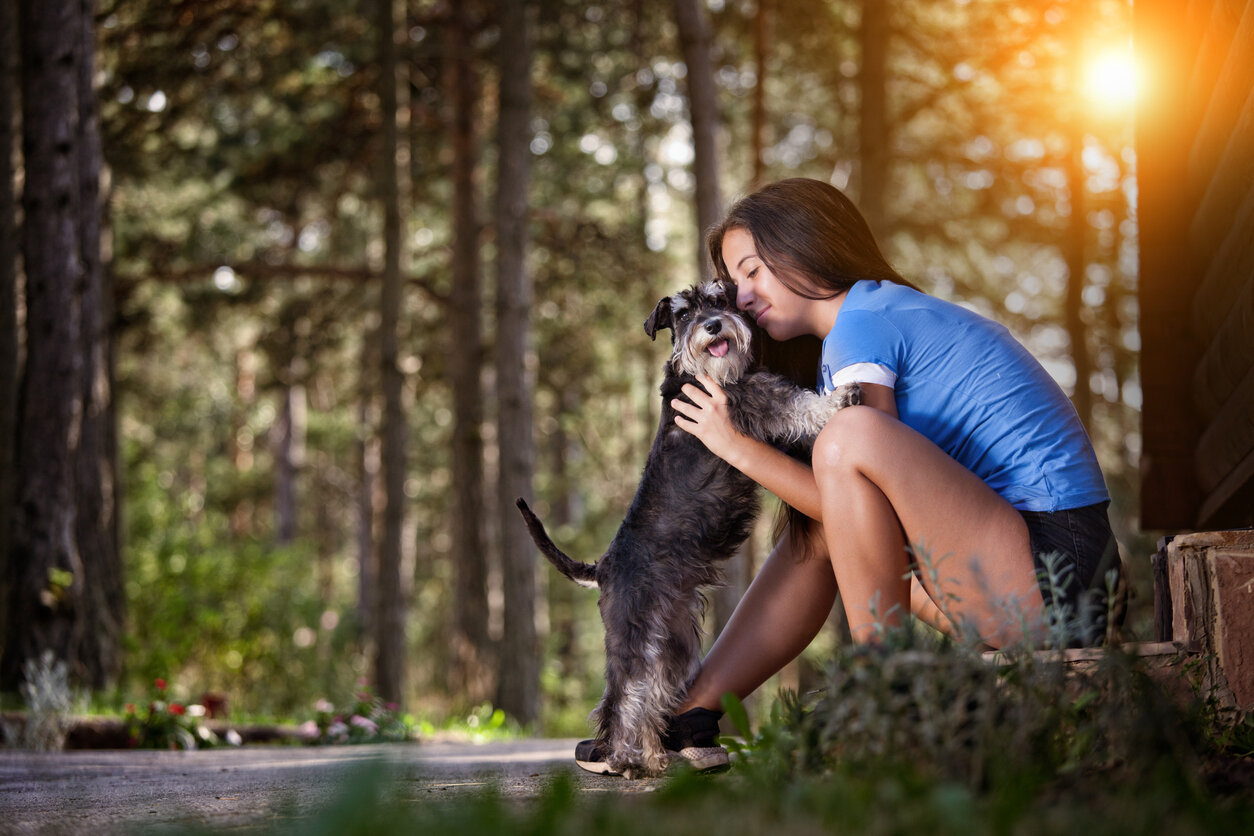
{"x": 1195, "y": 157}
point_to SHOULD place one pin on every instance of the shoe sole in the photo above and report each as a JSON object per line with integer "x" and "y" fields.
{"x": 702, "y": 758}
{"x": 699, "y": 758}
{"x": 595, "y": 767}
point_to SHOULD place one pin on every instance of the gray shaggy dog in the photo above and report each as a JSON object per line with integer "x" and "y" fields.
{"x": 691, "y": 512}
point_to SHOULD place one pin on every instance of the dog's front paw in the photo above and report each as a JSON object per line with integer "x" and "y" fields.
{"x": 849, "y": 394}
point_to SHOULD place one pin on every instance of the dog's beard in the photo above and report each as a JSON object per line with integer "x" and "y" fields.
{"x": 724, "y": 356}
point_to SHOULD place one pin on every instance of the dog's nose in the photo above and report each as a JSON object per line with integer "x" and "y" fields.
{"x": 714, "y": 326}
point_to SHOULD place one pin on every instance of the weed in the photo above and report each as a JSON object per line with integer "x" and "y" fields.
{"x": 50, "y": 701}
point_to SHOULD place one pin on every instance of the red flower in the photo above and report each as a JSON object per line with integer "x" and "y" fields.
{"x": 160, "y": 683}
{"x": 130, "y": 708}
{"x": 175, "y": 708}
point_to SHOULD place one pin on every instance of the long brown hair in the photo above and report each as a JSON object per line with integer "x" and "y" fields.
{"x": 809, "y": 230}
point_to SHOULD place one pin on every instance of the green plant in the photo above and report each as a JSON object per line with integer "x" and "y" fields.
{"x": 365, "y": 719}
{"x": 167, "y": 724}
{"x": 946, "y": 712}
{"x": 49, "y": 699}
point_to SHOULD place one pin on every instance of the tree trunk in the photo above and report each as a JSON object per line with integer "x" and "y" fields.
{"x": 518, "y": 691}
{"x": 96, "y": 494}
{"x": 873, "y": 144}
{"x": 367, "y": 454}
{"x": 47, "y": 605}
{"x": 390, "y": 617}
{"x": 694, "y": 39}
{"x": 761, "y": 48}
{"x": 288, "y": 454}
{"x": 8, "y": 289}
{"x": 565, "y": 511}
{"x": 471, "y": 674}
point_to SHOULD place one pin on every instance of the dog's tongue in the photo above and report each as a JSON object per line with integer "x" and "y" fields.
{"x": 719, "y": 348}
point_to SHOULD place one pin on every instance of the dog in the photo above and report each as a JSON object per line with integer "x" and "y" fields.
{"x": 691, "y": 511}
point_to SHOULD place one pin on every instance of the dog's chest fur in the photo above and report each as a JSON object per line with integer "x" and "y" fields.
{"x": 679, "y": 474}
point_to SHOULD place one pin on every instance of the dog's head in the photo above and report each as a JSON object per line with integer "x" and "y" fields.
{"x": 708, "y": 334}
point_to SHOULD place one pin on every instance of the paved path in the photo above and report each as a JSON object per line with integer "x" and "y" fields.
{"x": 107, "y": 792}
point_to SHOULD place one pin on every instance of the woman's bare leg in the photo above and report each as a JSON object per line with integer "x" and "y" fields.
{"x": 882, "y": 486}
{"x": 780, "y": 614}
{"x": 924, "y": 608}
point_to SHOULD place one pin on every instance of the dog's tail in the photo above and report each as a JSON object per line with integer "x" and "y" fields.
{"x": 584, "y": 574}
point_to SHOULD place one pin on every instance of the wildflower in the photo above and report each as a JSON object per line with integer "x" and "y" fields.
{"x": 160, "y": 683}
{"x": 130, "y": 708}
{"x": 177, "y": 709}
{"x": 370, "y": 726}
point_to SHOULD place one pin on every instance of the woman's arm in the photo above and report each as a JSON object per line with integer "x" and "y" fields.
{"x": 881, "y": 397}
{"x": 779, "y": 473}
{"x": 792, "y": 481}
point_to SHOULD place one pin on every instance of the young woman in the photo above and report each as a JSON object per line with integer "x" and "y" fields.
{"x": 940, "y": 496}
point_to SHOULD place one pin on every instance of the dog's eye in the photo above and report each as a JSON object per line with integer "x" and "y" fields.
{"x": 683, "y": 314}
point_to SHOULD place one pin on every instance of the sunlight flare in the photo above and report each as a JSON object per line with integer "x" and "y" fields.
{"x": 1112, "y": 78}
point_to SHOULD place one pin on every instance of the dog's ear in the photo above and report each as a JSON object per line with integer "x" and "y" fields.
{"x": 659, "y": 319}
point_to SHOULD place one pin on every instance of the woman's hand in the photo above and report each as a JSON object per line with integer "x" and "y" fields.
{"x": 707, "y": 417}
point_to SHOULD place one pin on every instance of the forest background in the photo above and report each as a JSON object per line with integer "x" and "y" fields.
{"x": 357, "y": 274}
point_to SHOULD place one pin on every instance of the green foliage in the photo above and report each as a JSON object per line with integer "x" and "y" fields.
{"x": 946, "y": 713}
{"x": 481, "y": 724}
{"x": 227, "y": 614}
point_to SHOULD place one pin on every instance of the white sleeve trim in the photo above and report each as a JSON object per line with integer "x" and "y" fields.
{"x": 865, "y": 373}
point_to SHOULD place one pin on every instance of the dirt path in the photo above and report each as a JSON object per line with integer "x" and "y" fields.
{"x": 107, "y": 792}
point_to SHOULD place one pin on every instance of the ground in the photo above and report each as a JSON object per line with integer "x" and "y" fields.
{"x": 116, "y": 792}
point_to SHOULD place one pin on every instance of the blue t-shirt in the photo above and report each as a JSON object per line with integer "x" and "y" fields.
{"x": 965, "y": 383}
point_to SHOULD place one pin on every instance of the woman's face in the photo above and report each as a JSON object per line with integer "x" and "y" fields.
{"x": 781, "y": 313}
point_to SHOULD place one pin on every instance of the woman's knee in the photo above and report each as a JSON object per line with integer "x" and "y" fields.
{"x": 847, "y": 439}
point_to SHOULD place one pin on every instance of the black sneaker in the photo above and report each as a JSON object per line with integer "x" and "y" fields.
{"x": 693, "y": 737}
{"x": 590, "y": 757}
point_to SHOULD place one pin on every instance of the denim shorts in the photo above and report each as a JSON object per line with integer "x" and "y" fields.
{"x": 1074, "y": 550}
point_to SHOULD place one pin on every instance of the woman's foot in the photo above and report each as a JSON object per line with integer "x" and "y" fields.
{"x": 693, "y": 737}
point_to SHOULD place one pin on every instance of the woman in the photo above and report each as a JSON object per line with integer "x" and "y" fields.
{"x": 940, "y": 496}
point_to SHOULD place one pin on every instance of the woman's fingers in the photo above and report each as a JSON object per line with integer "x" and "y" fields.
{"x": 717, "y": 395}
{"x": 686, "y": 410}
